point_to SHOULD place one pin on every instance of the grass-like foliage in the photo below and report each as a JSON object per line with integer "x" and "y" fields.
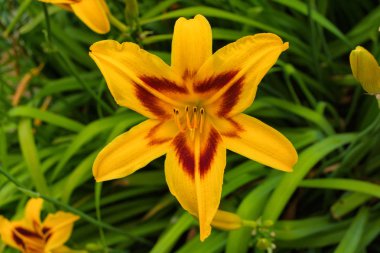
{"x": 56, "y": 114}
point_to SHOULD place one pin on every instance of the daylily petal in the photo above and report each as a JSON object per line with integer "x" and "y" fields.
{"x": 232, "y": 74}
{"x": 58, "y": 228}
{"x": 194, "y": 168}
{"x": 137, "y": 79}
{"x": 8, "y": 236}
{"x": 252, "y": 138}
{"x": 191, "y": 45}
{"x": 134, "y": 149}
{"x": 94, "y": 13}
{"x": 60, "y": 1}
{"x": 33, "y": 212}
{"x": 365, "y": 69}
{"x": 226, "y": 220}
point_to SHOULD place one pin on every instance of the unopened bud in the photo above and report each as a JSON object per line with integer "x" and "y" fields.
{"x": 263, "y": 244}
{"x": 365, "y": 69}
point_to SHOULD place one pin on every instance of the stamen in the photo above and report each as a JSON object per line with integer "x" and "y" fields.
{"x": 202, "y": 111}
{"x": 188, "y": 118}
{"x": 176, "y": 119}
{"x": 195, "y": 117}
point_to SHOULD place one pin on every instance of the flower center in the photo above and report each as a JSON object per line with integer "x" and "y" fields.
{"x": 191, "y": 119}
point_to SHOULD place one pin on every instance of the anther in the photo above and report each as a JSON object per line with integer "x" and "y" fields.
{"x": 176, "y": 119}
{"x": 201, "y": 111}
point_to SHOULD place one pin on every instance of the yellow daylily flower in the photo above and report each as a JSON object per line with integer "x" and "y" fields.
{"x": 194, "y": 108}
{"x": 94, "y": 13}
{"x": 365, "y": 69}
{"x": 30, "y": 235}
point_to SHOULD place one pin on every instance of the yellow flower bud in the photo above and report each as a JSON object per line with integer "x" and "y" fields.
{"x": 226, "y": 221}
{"x": 365, "y": 69}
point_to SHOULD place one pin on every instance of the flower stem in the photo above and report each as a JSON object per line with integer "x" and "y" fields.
{"x": 118, "y": 24}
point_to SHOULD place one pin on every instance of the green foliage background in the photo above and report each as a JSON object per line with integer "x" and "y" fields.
{"x": 328, "y": 204}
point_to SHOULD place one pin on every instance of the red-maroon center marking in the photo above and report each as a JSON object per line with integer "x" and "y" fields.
{"x": 230, "y": 98}
{"x": 150, "y": 102}
{"x": 207, "y": 156}
{"x": 27, "y": 233}
{"x": 45, "y": 230}
{"x": 185, "y": 154}
{"x": 18, "y": 240}
{"x": 162, "y": 84}
{"x": 237, "y": 129}
{"x": 215, "y": 82}
{"x": 153, "y": 140}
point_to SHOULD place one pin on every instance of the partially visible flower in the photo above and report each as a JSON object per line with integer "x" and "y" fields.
{"x": 94, "y": 13}
{"x": 365, "y": 69}
{"x": 31, "y": 235}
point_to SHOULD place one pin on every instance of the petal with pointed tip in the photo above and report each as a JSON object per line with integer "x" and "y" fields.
{"x": 33, "y": 211}
{"x": 8, "y": 236}
{"x": 137, "y": 79}
{"x": 191, "y": 45}
{"x": 252, "y": 138}
{"x": 94, "y": 13}
{"x": 194, "y": 168}
{"x": 58, "y": 228}
{"x": 232, "y": 74}
{"x": 134, "y": 149}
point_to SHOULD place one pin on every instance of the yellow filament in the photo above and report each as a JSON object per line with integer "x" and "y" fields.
{"x": 176, "y": 120}
{"x": 195, "y": 117}
{"x": 188, "y": 118}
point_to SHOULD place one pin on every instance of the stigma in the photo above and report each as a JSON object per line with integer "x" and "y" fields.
{"x": 189, "y": 119}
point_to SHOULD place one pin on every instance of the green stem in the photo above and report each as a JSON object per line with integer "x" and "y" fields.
{"x": 118, "y": 24}
{"x": 98, "y": 193}
{"x": 23, "y": 7}
{"x": 47, "y": 20}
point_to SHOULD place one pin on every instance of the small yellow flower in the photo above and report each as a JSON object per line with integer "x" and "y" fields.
{"x": 195, "y": 111}
{"x": 365, "y": 69}
{"x": 30, "y": 235}
{"x": 94, "y": 13}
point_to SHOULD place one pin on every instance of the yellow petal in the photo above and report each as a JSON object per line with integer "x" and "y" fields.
{"x": 194, "y": 168}
{"x": 59, "y": 1}
{"x": 93, "y": 13}
{"x": 252, "y": 138}
{"x": 33, "y": 212}
{"x": 365, "y": 69}
{"x": 232, "y": 74}
{"x": 134, "y": 149}
{"x": 191, "y": 45}
{"x": 58, "y": 228}
{"x": 226, "y": 221}
{"x": 7, "y": 235}
{"x": 137, "y": 79}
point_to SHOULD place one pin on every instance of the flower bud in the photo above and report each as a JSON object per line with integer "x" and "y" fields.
{"x": 263, "y": 244}
{"x": 226, "y": 220}
{"x": 365, "y": 69}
